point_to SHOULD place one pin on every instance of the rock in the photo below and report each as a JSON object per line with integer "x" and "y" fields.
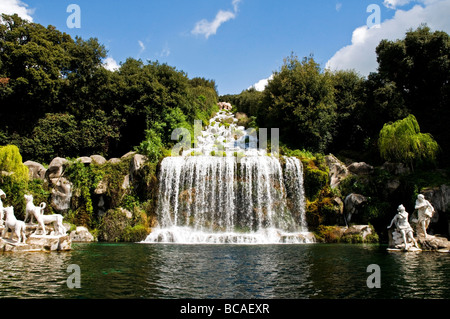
{"x": 37, "y": 170}
{"x": 81, "y": 234}
{"x": 360, "y": 168}
{"x": 37, "y": 243}
{"x": 352, "y": 204}
{"x": 126, "y": 212}
{"x": 337, "y": 170}
{"x": 61, "y": 187}
{"x": 61, "y": 195}
{"x": 114, "y": 160}
{"x": 102, "y": 187}
{"x": 129, "y": 154}
{"x": 434, "y": 243}
{"x": 136, "y": 164}
{"x": 56, "y": 169}
{"x": 396, "y": 168}
{"x": 439, "y": 197}
{"x": 85, "y": 160}
{"x": 392, "y": 185}
{"x": 49, "y": 243}
{"x": 225, "y": 106}
{"x": 126, "y": 182}
{"x": 98, "y": 159}
{"x": 339, "y": 204}
{"x": 361, "y": 230}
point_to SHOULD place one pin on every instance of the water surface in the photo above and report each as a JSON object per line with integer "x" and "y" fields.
{"x": 225, "y": 271}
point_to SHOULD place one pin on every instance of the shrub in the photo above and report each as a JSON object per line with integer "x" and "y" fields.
{"x": 11, "y": 162}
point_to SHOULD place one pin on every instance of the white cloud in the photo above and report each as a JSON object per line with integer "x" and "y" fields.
{"x": 261, "y": 84}
{"x": 142, "y": 46}
{"x": 111, "y": 64}
{"x": 361, "y": 55}
{"x": 338, "y": 6}
{"x": 16, "y": 6}
{"x": 165, "y": 52}
{"x": 207, "y": 28}
{"x": 396, "y": 3}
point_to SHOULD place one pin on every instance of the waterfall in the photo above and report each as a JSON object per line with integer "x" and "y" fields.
{"x": 240, "y": 195}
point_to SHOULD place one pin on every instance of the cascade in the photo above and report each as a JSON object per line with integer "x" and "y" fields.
{"x": 226, "y": 190}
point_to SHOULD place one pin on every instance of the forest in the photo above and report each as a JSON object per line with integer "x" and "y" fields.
{"x": 57, "y": 100}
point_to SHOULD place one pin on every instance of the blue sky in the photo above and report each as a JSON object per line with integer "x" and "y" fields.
{"x": 238, "y": 42}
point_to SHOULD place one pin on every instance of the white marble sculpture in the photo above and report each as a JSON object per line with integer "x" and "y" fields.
{"x": 17, "y": 226}
{"x": 38, "y": 213}
{"x": 402, "y": 225}
{"x": 424, "y": 211}
{"x": 2, "y": 195}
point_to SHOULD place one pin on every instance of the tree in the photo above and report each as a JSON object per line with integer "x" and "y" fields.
{"x": 402, "y": 141}
{"x": 299, "y": 100}
{"x": 419, "y": 67}
{"x": 349, "y": 94}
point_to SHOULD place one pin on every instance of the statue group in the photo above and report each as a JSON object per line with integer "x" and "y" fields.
{"x": 9, "y": 222}
{"x": 403, "y": 234}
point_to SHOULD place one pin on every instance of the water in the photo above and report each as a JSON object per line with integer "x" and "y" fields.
{"x": 245, "y": 195}
{"x": 225, "y": 271}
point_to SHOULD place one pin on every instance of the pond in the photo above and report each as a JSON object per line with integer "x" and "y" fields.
{"x": 166, "y": 271}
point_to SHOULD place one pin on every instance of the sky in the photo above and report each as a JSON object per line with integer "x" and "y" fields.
{"x": 237, "y": 43}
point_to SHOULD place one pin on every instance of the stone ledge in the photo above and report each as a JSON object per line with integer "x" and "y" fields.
{"x": 37, "y": 243}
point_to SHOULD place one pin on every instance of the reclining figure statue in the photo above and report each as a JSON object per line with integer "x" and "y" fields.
{"x": 402, "y": 225}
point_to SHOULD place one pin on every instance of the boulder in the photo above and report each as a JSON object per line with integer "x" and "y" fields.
{"x": 129, "y": 154}
{"x": 37, "y": 170}
{"x": 55, "y": 169}
{"x": 136, "y": 164}
{"x": 114, "y": 160}
{"x": 61, "y": 195}
{"x": 392, "y": 185}
{"x": 396, "y": 168}
{"x": 61, "y": 187}
{"x": 85, "y": 160}
{"x": 434, "y": 243}
{"x": 81, "y": 234}
{"x": 98, "y": 159}
{"x": 126, "y": 182}
{"x": 361, "y": 230}
{"x": 102, "y": 187}
{"x": 352, "y": 204}
{"x": 49, "y": 243}
{"x": 337, "y": 170}
{"x": 360, "y": 168}
{"x": 439, "y": 197}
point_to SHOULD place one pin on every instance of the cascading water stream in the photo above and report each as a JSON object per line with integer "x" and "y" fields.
{"x": 224, "y": 191}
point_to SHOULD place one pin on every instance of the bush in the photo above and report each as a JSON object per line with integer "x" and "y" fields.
{"x": 11, "y": 162}
{"x": 134, "y": 234}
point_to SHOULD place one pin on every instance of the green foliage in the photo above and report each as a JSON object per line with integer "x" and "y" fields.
{"x": 402, "y": 141}
{"x": 84, "y": 180}
{"x": 11, "y": 162}
{"x": 299, "y": 99}
{"x": 419, "y": 66}
{"x": 152, "y": 146}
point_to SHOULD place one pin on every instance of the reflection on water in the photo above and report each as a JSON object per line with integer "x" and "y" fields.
{"x": 225, "y": 271}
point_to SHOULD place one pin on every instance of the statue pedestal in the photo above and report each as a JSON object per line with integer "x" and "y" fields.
{"x": 37, "y": 243}
{"x": 434, "y": 243}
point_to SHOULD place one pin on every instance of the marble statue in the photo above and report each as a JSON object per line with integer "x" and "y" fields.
{"x": 32, "y": 210}
{"x": 402, "y": 225}
{"x": 38, "y": 213}
{"x": 425, "y": 212}
{"x": 2, "y": 195}
{"x": 16, "y": 226}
